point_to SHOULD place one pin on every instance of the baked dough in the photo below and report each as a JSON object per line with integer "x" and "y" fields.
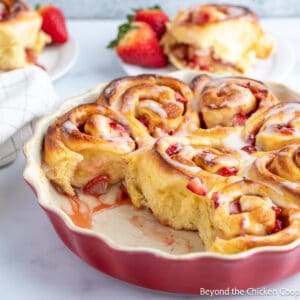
{"x": 216, "y": 38}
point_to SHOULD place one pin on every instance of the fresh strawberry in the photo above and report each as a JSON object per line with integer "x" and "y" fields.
{"x": 54, "y": 23}
{"x": 97, "y": 186}
{"x": 196, "y": 186}
{"x": 153, "y": 16}
{"x": 137, "y": 44}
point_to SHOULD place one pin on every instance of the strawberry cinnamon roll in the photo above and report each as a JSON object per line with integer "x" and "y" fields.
{"x": 153, "y": 105}
{"x": 281, "y": 170}
{"x": 216, "y": 38}
{"x": 87, "y": 148}
{"x": 229, "y": 101}
{"x": 247, "y": 214}
{"x": 175, "y": 177}
{"x": 274, "y": 128}
{"x": 21, "y": 37}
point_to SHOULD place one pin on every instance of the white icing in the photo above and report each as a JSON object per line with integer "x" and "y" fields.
{"x": 289, "y": 109}
{"x": 69, "y": 126}
{"x": 209, "y": 157}
{"x": 155, "y": 107}
{"x": 291, "y": 185}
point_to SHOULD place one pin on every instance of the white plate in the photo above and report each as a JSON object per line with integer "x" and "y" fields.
{"x": 275, "y": 68}
{"x": 58, "y": 59}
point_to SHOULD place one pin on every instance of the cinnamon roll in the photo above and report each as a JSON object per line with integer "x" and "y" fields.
{"x": 247, "y": 214}
{"x": 21, "y": 38}
{"x": 174, "y": 178}
{"x": 221, "y": 157}
{"x": 274, "y": 128}
{"x": 229, "y": 101}
{"x": 153, "y": 105}
{"x": 281, "y": 170}
{"x": 87, "y": 148}
{"x": 216, "y": 38}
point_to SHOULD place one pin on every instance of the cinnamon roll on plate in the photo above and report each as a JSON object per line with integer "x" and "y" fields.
{"x": 21, "y": 37}
{"x": 216, "y": 38}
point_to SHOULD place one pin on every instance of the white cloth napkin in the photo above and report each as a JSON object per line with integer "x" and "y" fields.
{"x": 25, "y": 94}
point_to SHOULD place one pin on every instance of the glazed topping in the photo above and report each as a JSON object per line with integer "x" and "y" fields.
{"x": 159, "y": 108}
{"x": 196, "y": 157}
{"x": 279, "y": 127}
{"x": 231, "y": 101}
{"x": 89, "y": 124}
{"x": 286, "y": 165}
{"x": 248, "y": 210}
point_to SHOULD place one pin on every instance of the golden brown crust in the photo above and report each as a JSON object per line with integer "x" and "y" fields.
{"x": 21, "y": 38}
{"x": 229, "y": 101}
{"x": 217, "y": 178}
{"x": 248, "y": 214}
{"x": 153, "y": 105}
{"x": 216, "y": 38}
{"x": 274, "y": 128}
{"x": 281, "y": 170}
{"x": 88, "y": 141}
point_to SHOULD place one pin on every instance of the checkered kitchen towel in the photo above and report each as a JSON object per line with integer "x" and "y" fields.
{"x": 25, "y": 94}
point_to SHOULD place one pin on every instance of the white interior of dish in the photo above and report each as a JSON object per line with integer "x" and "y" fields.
{"x": 125, "y": 227}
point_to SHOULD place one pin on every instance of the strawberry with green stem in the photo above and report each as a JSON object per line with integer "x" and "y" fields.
{"x": 138, "y": 44}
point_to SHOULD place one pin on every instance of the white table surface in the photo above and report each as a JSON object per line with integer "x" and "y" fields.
{"x": 34, "y": 263}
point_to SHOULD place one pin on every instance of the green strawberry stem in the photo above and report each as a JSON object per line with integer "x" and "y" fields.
{"x": 123, "y": 29}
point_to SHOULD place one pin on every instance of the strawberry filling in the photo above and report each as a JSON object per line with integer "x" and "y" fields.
{"x": 239, "y": 119}
{"x": 227, "y": 171}
{"x": 249, "y": 149}
{"x": 277, "y": 210}
{"x": 173, "y": 149}
{"x": 196, "y": 186}
{"x": 118, "y": 127}
{"x": 251, "y": 139}
{"x": 180, "y": 99}
{"x": 235, "y": 207}
{"x": 215, "y": 199}
{"x": 143, "y": 120}
{"x": 285, "y": 130}
{"x": 97, "y": 186}
{"x": 278, "y": 226}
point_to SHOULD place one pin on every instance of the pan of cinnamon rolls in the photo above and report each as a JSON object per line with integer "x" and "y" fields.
{"x": 216, "y": 157}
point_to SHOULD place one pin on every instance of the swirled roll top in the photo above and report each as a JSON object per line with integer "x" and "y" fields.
{"x": 275, "y": 128}
{"x": 281, "y": 170}
{"x": 88, "y": 141}
{"x": 154, "y": 105}
{"x": 248, "y": 214}
{"x": 229, "y": 101}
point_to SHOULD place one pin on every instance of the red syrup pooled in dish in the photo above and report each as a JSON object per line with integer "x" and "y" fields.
{"x": 82, "y": 214}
